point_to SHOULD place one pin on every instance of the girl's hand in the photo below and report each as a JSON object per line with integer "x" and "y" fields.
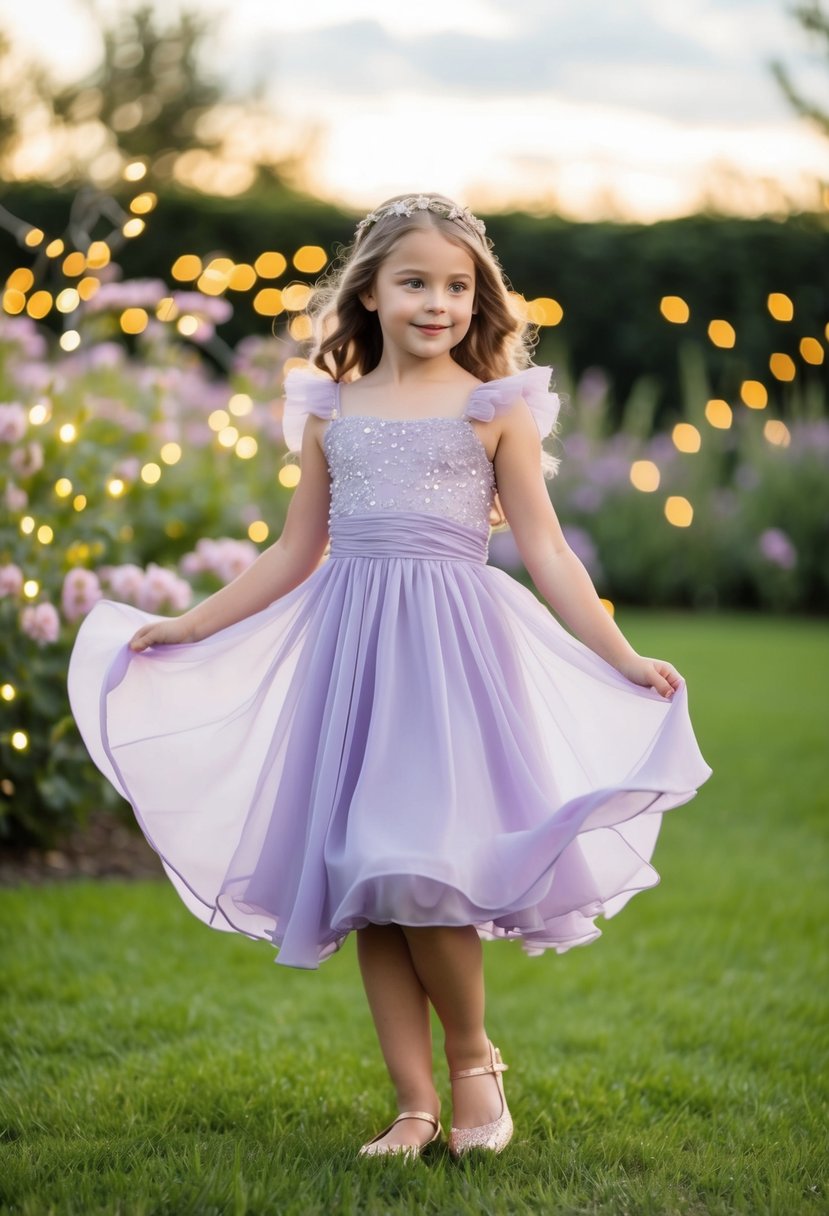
{"x": 652, "y": 673}
{"x": 161, "y": 633}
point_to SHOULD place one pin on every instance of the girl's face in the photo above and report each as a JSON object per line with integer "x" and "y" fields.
{"x": 424, "y": 295}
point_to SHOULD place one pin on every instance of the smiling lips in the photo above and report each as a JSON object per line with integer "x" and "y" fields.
{"x": 433, "y": 329}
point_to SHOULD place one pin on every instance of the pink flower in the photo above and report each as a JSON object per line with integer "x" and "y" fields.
{"x": 777, "y": 548}
{"x": 41, "y": 623}
{"x": 11, "y": 580}
{"x": 124, "y": 582}
{"x": 128, "y": 468}
{"x": 81, "y": 590}
{"x": 163, "y": 588}
{"x": 28, "y": 460}
{"x": 16, "y": 499}
{"x": 13, "y": 422}
{"x": 226, "y": 558}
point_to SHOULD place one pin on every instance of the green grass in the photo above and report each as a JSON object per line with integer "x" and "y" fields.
{"x": 678, "y": 1065}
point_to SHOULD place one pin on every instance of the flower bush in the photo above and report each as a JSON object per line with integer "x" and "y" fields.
{"x": 145, "y": 475}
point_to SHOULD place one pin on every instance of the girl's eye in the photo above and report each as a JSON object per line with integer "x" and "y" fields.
{"x": 460, "y": 286}
{"x": 413, "y": 283}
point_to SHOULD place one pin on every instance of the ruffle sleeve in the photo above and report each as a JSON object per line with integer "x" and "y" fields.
{"x": 532, "y": 384}
{"x": 305, "y": 393}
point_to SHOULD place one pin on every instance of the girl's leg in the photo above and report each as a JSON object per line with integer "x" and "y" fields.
{"x": 400, "y": 1009}
{"x": 449, "y": 964}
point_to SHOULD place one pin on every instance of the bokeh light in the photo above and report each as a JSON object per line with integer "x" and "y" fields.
{"x": 644, "y": 475}
{"x": 686, "y": 438}
{"x": 780, "y": 306}
{"x": 678, "y": 511}
{"x": 754, "y": 394}
{"x": 718, "y": 414}
{"x": 722, "y": 334}
{"x": 674, "y": 309}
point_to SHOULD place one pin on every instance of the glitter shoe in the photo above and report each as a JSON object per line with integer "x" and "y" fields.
{"x": 409, "y": 1151}
{"x": 494, "y": 1136}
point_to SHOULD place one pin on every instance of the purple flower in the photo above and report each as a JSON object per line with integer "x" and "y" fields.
{"x": 11, "y": 580}
{"x": 213, "y": 308}
{"x": 124, "y": 582}
{"x": 163, "y": 588}
{"x": 586, "y": 498}
{"x": 81, "y": 590}
{"x": 13, "y": 422}
{"x": 27, "y": 460}
{"x": 777, "y": 548}
{"x": 41, "y": 623}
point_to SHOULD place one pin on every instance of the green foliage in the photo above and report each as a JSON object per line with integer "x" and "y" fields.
{"x": 676, "y": 1066}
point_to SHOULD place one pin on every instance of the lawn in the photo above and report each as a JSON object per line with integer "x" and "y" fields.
{"x": 677, "y": 1065}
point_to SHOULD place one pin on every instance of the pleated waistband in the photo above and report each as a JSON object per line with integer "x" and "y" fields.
{"x": 406, "y": 534}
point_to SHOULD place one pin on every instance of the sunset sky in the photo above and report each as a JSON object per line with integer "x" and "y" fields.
{"x": 639, "y": 109}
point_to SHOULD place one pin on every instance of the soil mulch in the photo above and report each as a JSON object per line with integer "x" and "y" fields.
{"x": 104, "y": 847}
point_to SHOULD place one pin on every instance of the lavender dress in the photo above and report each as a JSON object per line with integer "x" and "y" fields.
{"x": 407, "y": 736}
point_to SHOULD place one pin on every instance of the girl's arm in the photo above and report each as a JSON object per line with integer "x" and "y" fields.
{"x": 283, "y": 566}
{"x": 552, "y": 565}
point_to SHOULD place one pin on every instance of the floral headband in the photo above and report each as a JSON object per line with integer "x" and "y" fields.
{"x": 423, "y": 202}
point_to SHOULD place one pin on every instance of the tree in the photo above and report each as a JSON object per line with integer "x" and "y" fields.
{"x": 816, "y": 22}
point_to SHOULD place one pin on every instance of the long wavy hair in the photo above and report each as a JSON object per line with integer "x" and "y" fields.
{"x": 348, "y": 340}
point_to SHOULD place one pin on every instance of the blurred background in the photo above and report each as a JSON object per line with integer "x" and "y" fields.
{"x": 176, "y": 179}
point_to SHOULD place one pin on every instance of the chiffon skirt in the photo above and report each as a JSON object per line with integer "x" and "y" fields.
{"x": 408, "y": 736}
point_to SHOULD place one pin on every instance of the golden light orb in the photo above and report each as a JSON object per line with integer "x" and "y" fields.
{"x": 63, "y": 487}
{"x": 722, "y": 334}
{"x": 134, "y": 171}
{"x": 782, "y": 367}
{"x": 70, "y": 340}
{"x": 115, "y": 487}
{"x": 187, "y": 325}
{"x": 134, "y": 320}
{"x": 678, "y": 511}
{"x": 151, "y": 473}
{"x": 719, "y": 414}
{"x": 74, "y": 264}
{"x": 780, "y": 306}
{"x": 674, "y": 309}
{"x": 609, "y": 607}
{"x": 27, "y": 525}
{"x": 777, "y": 433}
{"x": 544, "y": 311}
{"x": 98, "y": 255}
{"x": 142, "y": 204}
{"x": 186, "y": 268}
{"x": 258, "y": 531}
{"x": 246, "y": 447}
{"x": 242, "y": 277}
{"x": 644, "y": 475}
{"x": 79, "y": 502}
{"x": 31, "y": 588}
{"x": 88, "y": 287}
{"x": 289, "y": 476}
{"x": 811, "y": 351}
{"x": 133, "y": 228}
{"x": 301, "y": 329}
{"x": 39, "y": 304}
{"x": 45, "y": 534}
{"x": 686, "y": 438}
{"x": 34, "y": 237}
{"x": 39, "y": 413}
{"x": 19, "y": 740}
{"x": 55, "y": 248}
{"x": 754, "y": 394}
{"x": 270, "y": 265}
{"x": 8, "y": 692}
{"x": 228, "y": 436}
{"x": 268, "y": 302}
{"x": 171, "y": 453}
{"x": 310, "y": 258}
{"x": 21, "y": 279}
{"x": 296, "y": 296}
{"x": 67, "y": 300}
{"x": 218, "y": 420}
{"x": 14, "y": 301}
{"x": 240, "y": 405}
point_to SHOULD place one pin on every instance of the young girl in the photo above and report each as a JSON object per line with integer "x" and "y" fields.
{"x": 400, "y": 739}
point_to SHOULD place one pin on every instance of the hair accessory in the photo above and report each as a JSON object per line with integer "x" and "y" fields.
{"x": 424, "y": 202}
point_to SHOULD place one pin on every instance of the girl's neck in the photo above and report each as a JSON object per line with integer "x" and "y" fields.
{"x": 396, "y": 372}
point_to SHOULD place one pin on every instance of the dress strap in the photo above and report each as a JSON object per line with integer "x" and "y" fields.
{"x": 306, "y": 393}
{"x": 498, "y": 396}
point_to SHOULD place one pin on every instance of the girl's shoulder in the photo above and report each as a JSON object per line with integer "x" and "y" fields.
{"x": 493, "y": 398}
{"x": 305, "y": 392}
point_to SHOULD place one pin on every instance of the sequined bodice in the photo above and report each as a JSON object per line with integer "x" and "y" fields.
{"x": 434, "y": 465}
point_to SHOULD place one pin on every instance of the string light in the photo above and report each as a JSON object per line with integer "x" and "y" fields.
{"x": 151, "y": 473}
{"x": 31, "y": 588}
{"x": 8, "y": 692}
{"x": 268, "y": 302}
{"x": 187, "y": 325}
{"x": 19, "y": 740}
{"x": 133, "y": 228}
{"x": 811, "y": 351}
{"x": 719, "y": 414}
{"x": 722, "y": 334}
{"x": 187, "y": 268}
{"x": 171, "y": 453}
{"x": 13, "y": 301}
{"x": 39, "y": 413}
{"x": 686, "y": 438}
{"x": 258, "y": 531}
{"x": 289, "y": 476}
{"x": 68, "y": 433}
{"x": 242, "y": 277}
{"x": 79, "y": 502}
{"x": 27, "y": 525}
{"x": 39, "y": 305}
{"x": 678, "y": 511}
{"x": 69, "y": 340}
{"x": 310, "y": 258}
{"x": 644, "y": 475}
{"x": 247, "y": 447}
{"x": 754, "y": 394}
{"x": 782, "y": 367}
{"x": 780, "y": 306}
{"x": 777, "y": 433}
{"x": 45, "y": 534}
{"x": 34, "y": 237}
{"x": 98, "y": 255}
{"x": 270, "y": 265}
{"x": 674, "y": 309}
{"x": 228, "y": 436}
{"x": 240, "y": 405}
{"x": 21, "y": 279}
{"x": 218, "y": 420}
{"x": 115, "y": 487}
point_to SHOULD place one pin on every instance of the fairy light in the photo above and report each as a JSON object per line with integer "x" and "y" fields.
{"x": 240, "y": 405}
{"x": 45, "y": 534}
{"x": 39, "y": 413}
{"x": 134, "y": 171}
{"x": 67, "y": 300}
{"x": 258, "y": 531}
{"x": 14, "y": 301}
{"x": 247, "y": 447}
{"x": 686, "y": 438}
{"x": 228, "y": 436}
{"x": 55, "y": 248}
{"x": 296, "y": 296}
{"x": 133, "y": 228}
{"x": 74, "y": 264}
{"x": 544, "y": 311}
{"x": 171, "y": 453}
{"x": 134, "y": 320}
{"x": 115, "y": 487}
{"x": 242, "y": 277}
{"x": 215, "y": 276}
{"x": 289, "y": 476}
{"x": 27, "y": 525}
{"x": 166, "y": 309}
{"x": 301, "y": 329}
{"x": 719, "y": 414}
{"x": 19, "y": 740}
{"x": 811, "y": 351}
{"x": 722, "y": 334}
{"x": 39, "y": 305}
{"x": 678, "y": 511}
{"x": 268, "y": 302}
{"x": 63, "y": 487}
{"x": 31, "y": 588}
{"x": 70, "y": 340}
{"x": 644, "y": 475}
{"x": 754, "y": 394}
{"x": 8, "y": 692}
{"x": 68, "y": 433}
{"x": 186, "y": 268}
{"x": 151, "y": 473}
{"x": 98, "y": 255}
{"x": 187, "y": 325}
{"x": 21, "y": 279}
{"x": 79, "y": 502}
{"x": 782, "y": 366}
{"x": 34, "y": 237}
{"x": 780, "y": 306}
{"x": 218, "y": 420}
{"x": 674, "y": 309}
{"x": 142, "y": 204}
{"x": 88, "y": 287}
{"x": 295, "y": 363}
{"x": 777, "y": 433}
{"x": 310, "y": 258}
{"x": 270, "y": 265}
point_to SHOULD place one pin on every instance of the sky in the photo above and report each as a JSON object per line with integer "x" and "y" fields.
{"x": 640, "y": 109}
